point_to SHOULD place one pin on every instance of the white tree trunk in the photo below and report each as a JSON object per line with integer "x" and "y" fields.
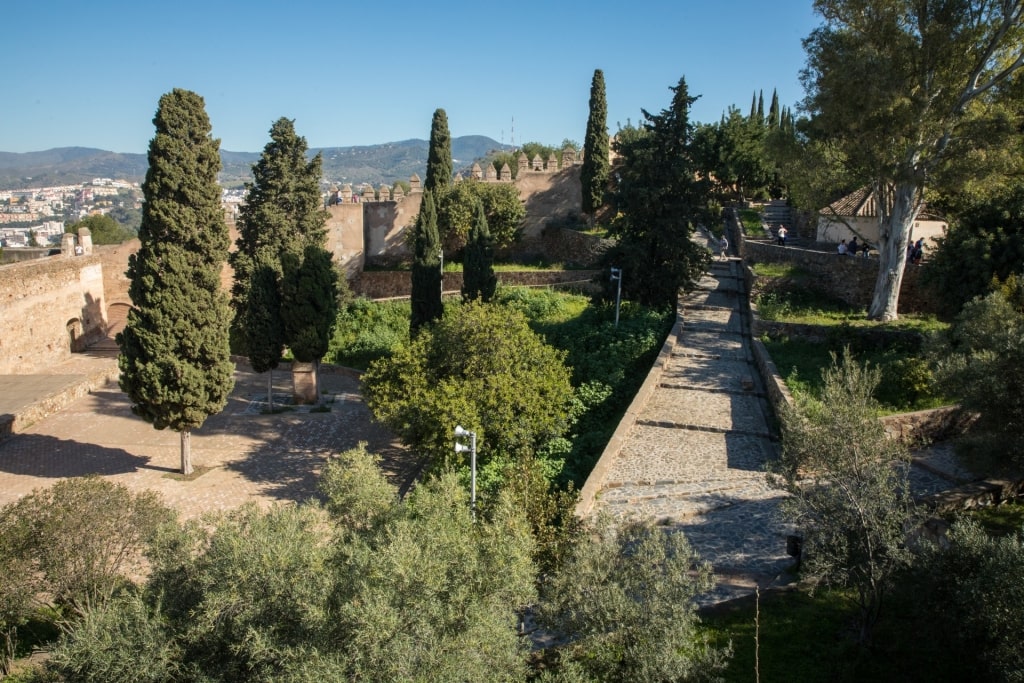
{"x": 186, "y": 452}
{"x": 893, "y": 238}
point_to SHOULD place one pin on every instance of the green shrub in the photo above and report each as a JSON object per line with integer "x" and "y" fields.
{"x": 367, "y": 330}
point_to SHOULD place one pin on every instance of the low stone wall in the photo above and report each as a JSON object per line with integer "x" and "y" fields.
{"x": 926, "y": 426}
{"x": 848, "y": 278}
{"x": 388, "y": 284}
{"x": 590, "y": 489}
{"x": 50, "y": 307}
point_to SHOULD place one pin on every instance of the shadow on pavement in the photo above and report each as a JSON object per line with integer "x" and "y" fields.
{"x": 38, "y": 455}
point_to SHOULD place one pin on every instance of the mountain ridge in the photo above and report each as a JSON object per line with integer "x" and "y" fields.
{"x": 383, "y": 163}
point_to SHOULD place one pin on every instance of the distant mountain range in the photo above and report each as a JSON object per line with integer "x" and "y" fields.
{"x": 374, "y": 164}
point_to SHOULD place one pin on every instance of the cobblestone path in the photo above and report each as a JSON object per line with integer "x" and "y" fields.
{"x": 694, "y": 458}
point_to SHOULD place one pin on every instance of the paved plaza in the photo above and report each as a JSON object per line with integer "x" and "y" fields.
{"x": 242, "y": 453}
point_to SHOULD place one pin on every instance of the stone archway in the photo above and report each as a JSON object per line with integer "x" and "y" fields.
{"x": 117, "y": 316}
{"x": 76, "y": 338}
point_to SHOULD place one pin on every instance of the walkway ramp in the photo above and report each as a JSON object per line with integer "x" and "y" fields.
{"x": 693, "y": 459}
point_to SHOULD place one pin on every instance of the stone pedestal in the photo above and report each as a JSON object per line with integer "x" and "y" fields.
{"x": 305, "y": 389}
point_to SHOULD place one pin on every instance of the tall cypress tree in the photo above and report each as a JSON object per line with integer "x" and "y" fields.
{"x": 439, "y": 156}
{"x": 773, "y": 112}
{"x": 283, "y": 214}
{"x": 478, "y": 278}
{"x": 264, "y": 329}
{"x": 753, "y": 106}
{"x": 661, "y": 197}
{"x": 309, "y": 305}
{"x": 594, "y": 173}
{"x": 426, "y": 267}
{"x": 174, "y": 361}
{"x": 760, "y": 108}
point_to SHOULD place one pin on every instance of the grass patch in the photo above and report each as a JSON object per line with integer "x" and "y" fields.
{"x": 810, "y": 638}
{"x": 196, "y": 473}
{"x": 1001, "y": 520}
{"x": 906, "y": 382}
{"x": 752, "y": 225}
{"x": 781, "y": 270}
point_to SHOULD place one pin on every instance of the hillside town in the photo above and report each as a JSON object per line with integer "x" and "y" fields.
{"x": 36, "y": 217}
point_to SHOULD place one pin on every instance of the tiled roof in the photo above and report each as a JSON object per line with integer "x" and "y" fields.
{"x": 858, "y": 203}
{"x": 863, "y": 203}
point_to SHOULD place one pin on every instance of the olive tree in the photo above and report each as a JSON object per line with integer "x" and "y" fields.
{"x": 850, "y": 494}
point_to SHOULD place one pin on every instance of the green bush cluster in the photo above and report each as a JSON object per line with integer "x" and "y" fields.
{"x": 367, "y": 586}
{"x": 367, "y": 330}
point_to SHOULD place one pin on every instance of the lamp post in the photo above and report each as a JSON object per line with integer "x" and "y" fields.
{"x": 462, "y": 448}
{"x": 617, "y": 278}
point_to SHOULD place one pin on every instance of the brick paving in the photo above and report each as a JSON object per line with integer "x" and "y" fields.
{"x": 247, "y": 456}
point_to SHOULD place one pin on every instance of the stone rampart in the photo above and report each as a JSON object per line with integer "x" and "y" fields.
{"x": 50, "y": 307}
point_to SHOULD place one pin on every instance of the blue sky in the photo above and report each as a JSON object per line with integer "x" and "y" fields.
{"x": 91, "y": 74}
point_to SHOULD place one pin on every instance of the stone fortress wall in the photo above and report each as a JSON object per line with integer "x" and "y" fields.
{"x": 49, "y": 307}
{"x": 370, "y": 226}
{"x": 52, "y": 306}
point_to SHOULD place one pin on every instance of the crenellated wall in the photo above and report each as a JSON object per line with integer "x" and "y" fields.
{"x": 49, "y": 307}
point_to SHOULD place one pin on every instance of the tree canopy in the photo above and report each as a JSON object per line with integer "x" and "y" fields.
{"x": 660, "y": 200}
{"x": 983, "y": 365}
{"x": 850, "y": 493}
{"x": 478, "y": 278}
{"x": 427, "y": 278}
{"x": 933, "y": 85}
{"x": 283, "y": 215}
{"x": 104, "y": 229}
{"x": 480, "y": 367}
{"x": 439, "y": 155}
{"x": 174, "y": 361}
{"x": 596, "y": 164}
{"x": 456, "y": 211}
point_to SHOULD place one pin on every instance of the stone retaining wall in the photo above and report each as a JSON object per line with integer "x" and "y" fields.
{"x": 386, "y": 284}
{"x": 848, "y": 278}
{"x": 50, "y": 306}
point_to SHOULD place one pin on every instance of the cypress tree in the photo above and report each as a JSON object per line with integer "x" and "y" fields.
{"x": 426, "y": 267}
{"x": 753, "y": 106}
{"x": 760, "y": 108}
{"x": 439, "y": 156}
{"x": 283, "y": 214}
{"x": 773, "y": 112}
{"x": 478, "y": 278}
{"x": 594, "y": 173}
{"x": 309, "y": 305}
{"x": 174, "y": 360}
{"x": 264, "y": 328}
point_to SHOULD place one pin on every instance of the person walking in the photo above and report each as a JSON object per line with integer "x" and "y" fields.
{"x": 723, "y": 247}
{"x": 781, "y": 234}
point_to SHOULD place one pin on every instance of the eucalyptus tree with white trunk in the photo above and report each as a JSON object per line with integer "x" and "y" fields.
{"x": 913, "y": 92}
